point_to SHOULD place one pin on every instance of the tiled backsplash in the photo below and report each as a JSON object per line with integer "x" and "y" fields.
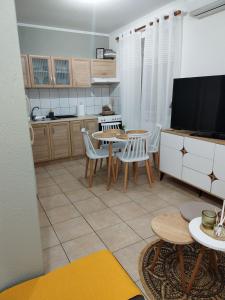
{"x": 65, "y": 101}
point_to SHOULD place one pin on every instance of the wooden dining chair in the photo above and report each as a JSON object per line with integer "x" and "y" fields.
{"x": 135, "y": 150}
{"x": 92, "y": 155}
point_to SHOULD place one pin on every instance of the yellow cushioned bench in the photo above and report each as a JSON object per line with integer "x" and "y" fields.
{"x": 98, "y": 276}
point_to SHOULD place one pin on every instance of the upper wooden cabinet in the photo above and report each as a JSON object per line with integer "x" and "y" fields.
{"x": 41, "y": 145}
{"x": 81, "y": 69}
{"x": 40, "y": 71}
{"x": 26, "y": 72}
{"x": 61, "y": 72}
{"x": 60, "y": 140}
{"x": 103, "y": 68}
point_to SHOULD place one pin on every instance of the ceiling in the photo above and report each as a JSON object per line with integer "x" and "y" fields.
{"x": 103, "y": 16}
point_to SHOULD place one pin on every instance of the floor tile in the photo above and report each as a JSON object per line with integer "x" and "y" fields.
{"x": 78, "y": 195}
{"x": 48, "y": 191}
{"x": 166, "y": 209}
{"x": 118, "y": 236}
{"x": 142, "y": 226}
{"x": 54, "y": 166}
{"x": 62, "y": 213}
{"x": 82, "y": 246}
{"x": 137, "y": 194}
{"x": 129, "y": 258}
{"x": 54, "y": 201}
{"x": 48, "y": 237}
{"x": 44, "y": 182}
{"x": 63, "y": 178}
{"x": 89, "y": 205}
{"x": 151, "y": 202}
{"x": 69, "y": 186}
{"x": 53, "y": 258}
{"x": 59, "y": 172}
{"x": 72, "y": 229}
{"x": 128, "y": 211}
{"x": 102, "y": 219}
{"x": 112, "y": 198}
{"x": 43, "y": 219}
{"x": 175, "y": 198}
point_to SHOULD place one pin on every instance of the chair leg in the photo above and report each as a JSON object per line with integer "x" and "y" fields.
{"x": 156, "y": 160}
{"x": 113, "y": 170}
{"x": 148, "y": 171}
{"x": 86, "y": 168}
{"x": 117, "y": 168}
{"x": 126, "y": 168}
{"x": 101, "y": 162}
{"x": 91, "y": 173}
{"x": 151, "y": 172}
{"x": 135, "y": 168}
{"x": 96, "y": 164}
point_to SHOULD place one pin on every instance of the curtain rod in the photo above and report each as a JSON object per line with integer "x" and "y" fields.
{"x": 142, "y": 28}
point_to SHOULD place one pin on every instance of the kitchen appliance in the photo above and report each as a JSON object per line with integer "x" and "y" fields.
{"x": 199, "y": 105}
{"x": 109, "y": 119}
{"x": 109, "y": 54}
{"x": 80, "y": 110}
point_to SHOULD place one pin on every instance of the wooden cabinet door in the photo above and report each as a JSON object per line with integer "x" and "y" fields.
{"x": 41, "y": 145}
{"x": 92, "y": 126}
{"x": 103, "y": 68}
{"x": 76, "y": 138}
{"x": 26, "y": 72}
{"x": 40, "y": 71}
{"x": 81, "y": 69}
{"x": 61, "y": 71}
{"x": 60, "y": 140}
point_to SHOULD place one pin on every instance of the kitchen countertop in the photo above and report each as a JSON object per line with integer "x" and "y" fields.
{"x": 86, "y": 117}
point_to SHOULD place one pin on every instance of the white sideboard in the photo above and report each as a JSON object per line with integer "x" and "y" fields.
{"x": 196, "y": 161}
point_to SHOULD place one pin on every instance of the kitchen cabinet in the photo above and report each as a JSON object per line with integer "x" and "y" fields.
{"x": 40, "y": 71}
{"x": 26, "y": 72}
{"x": 61, "y": 72}
{"x": 60, "y": 140}
{"x": 77, "y": 144}
{"x": 81, "y": 69}
{"x": 103, "y": 68}
{"x": 92, "y": 126}
{"x": 41, "y": 145}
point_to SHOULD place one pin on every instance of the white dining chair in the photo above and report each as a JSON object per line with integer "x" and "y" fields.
{"x": 154, "y": 145}
{"x": 135, "y": 150}
{"x": 92, "y": 155}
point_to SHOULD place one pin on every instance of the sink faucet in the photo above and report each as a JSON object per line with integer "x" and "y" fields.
{"x": 32, "y": 113}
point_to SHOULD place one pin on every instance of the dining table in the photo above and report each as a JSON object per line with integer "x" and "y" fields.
{"x": 109, "y": 139}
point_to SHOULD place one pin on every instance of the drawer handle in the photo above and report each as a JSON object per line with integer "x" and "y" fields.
{"x": 183, "y": 151}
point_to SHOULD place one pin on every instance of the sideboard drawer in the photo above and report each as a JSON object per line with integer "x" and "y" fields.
{"x": 218, "y": 188}
{"x": 199, "y": 147}
{"x": 198, "y": 163}
{"x": 172, "y": 140}
{"x": 219, "y": 162}
{"x": 197, "y": 179}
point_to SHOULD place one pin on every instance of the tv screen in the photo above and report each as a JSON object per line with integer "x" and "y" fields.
{"x": 198, "y": 104}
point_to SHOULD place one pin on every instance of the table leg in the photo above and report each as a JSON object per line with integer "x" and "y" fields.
{"x": 196, "y": 269}
{"x": 155, "y": 259}
{"x": 181, "y": 265}
{"x": 109, "y": 166}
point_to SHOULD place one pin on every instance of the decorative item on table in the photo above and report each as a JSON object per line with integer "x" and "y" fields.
{"x": 107, "y": 110}
{"x": 208, "y": 219}
{"x": 219, "y": 229}
{"x": 99, "y": 53}
{"x": 109, "y": 54}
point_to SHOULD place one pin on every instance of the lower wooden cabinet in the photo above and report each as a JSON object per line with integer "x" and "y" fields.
{"x": 77, "y": 144}
{"x": 60, "y": 140}
{"x": 41, "y": 146}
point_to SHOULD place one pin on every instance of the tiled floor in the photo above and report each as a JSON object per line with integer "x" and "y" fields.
{"x": 76, "y": 221}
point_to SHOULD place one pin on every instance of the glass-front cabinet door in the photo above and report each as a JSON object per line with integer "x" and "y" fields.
{"x": 62, "y": 72}
{"x": 41, "y": 71}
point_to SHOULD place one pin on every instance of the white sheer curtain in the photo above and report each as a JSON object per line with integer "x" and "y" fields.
{"x": 161, "y": 64}
{"x": 130, "y": 62}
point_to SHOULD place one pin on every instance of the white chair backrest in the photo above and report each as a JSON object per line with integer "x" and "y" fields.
{"x": 155, "y": 138}
{"x": 90, "y": 150}
{"x": 136, "y": 148}
{"x": 107, "y": 126}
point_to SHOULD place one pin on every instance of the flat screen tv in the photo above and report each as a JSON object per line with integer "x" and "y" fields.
{"x": 198, "y": 105}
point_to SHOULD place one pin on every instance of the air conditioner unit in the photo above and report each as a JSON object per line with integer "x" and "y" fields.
{"x": 207, "y": 8}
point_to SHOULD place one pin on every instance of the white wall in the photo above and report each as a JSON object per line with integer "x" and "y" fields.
{"x": 203, "y": 40}
{"x": 20, "y": 246}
